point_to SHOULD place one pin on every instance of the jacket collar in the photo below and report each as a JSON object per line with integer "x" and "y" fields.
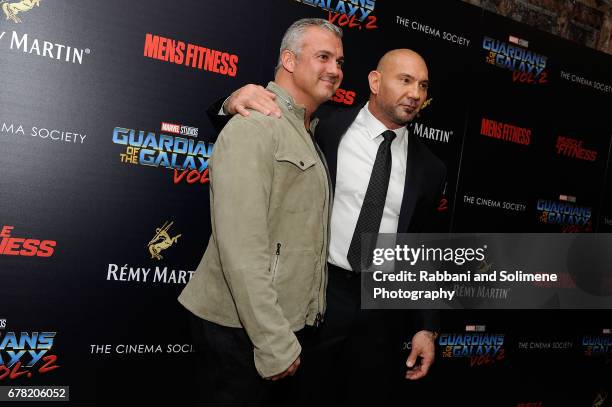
{"x": 289, "y": 107}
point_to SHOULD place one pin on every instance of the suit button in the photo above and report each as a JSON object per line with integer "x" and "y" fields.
{"x": 302, "y": 163}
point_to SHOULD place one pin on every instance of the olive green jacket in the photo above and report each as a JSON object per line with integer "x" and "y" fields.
{"x": 265, "y": 265}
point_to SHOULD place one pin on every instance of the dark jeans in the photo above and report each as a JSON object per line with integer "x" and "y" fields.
{"x": 355, "y": 357}
{"x": 226, "y": 374}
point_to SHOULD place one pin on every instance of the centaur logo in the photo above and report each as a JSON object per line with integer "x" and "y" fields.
{"x": 161, "y": 241}
{"x": 12, "y": 9}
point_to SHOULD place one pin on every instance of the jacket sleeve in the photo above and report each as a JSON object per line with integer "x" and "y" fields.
{"x": 428, "y": 320}
{"x": 241, "y": 182}
{"x": 438, "y": 222}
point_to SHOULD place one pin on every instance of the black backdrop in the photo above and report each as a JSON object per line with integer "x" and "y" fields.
{"x": 120, "y": 333}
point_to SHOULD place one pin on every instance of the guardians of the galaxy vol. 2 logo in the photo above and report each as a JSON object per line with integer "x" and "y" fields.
{"x": 566, "y": 213}
{"x": 597, "y": 345}
{"x": 347, "y": 13}
{"x": 26, "y": 354}
{"x": 479, "y": 348}
{"x": 526, "y": 66}
{"x": 187, "y": 156}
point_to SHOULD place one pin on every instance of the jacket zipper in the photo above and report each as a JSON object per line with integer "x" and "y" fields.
{"x": 278, "y": 247}
{"x": 323, "y": 283}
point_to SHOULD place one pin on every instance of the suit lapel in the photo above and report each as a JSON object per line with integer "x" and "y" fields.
{"x": 332, "y": 125}
{"x": 411, "y": 184}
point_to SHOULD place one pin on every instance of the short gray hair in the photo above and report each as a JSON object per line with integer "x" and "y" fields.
{"x": 292, "y": 40}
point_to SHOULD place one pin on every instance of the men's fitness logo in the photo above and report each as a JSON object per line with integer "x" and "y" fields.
{"x": 187, "y": 157}
{"x": 344, "y": 97}
{"x": 28, "y": 247}
{"x": 505, "y": 131}
{"x": 161, "y": 241}
{"x": 12, "y": 9}
{"x": 190, "y": 55}
{"x": 25, "y": 353}
{"x": 526, "y": 66}
{"x": 481, "y": 348}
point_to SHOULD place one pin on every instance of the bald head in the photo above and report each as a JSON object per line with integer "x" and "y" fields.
{"x": 396, "y": 57}
{"x": 398, "y": 87}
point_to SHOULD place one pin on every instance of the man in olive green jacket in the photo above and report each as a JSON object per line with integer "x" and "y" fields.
{"x": 263, "y": 272}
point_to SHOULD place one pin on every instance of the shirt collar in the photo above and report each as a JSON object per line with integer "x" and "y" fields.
{"x": 375, "y": 127}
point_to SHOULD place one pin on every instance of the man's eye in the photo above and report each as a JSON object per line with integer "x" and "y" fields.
{"x": 323, "y": 57}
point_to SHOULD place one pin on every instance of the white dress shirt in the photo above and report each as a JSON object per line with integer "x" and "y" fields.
{"x": 356, "y": 156}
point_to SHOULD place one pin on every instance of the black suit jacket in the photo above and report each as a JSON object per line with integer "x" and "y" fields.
{"x": 424, "y": 186}
{"x": 425, "y": 173}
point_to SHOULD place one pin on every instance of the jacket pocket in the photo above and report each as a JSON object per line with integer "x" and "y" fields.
{"x": 295, "y": 276}
{"x": 295, "y": 182}
{"x": 300, "y": 161}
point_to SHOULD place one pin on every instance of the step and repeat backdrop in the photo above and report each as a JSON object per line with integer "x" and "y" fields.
{"x": 104, "y": 206}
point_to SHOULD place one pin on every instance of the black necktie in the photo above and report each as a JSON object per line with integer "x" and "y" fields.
{"x": 373, "y": 206}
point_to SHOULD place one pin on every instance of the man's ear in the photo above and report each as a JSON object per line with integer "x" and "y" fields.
{"x": 374, "y": 81}
{"x": 288, "y": 60}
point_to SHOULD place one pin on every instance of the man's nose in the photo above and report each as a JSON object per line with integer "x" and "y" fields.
{"x": 414, "y": 91}
{"x": 334, "y": 69}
